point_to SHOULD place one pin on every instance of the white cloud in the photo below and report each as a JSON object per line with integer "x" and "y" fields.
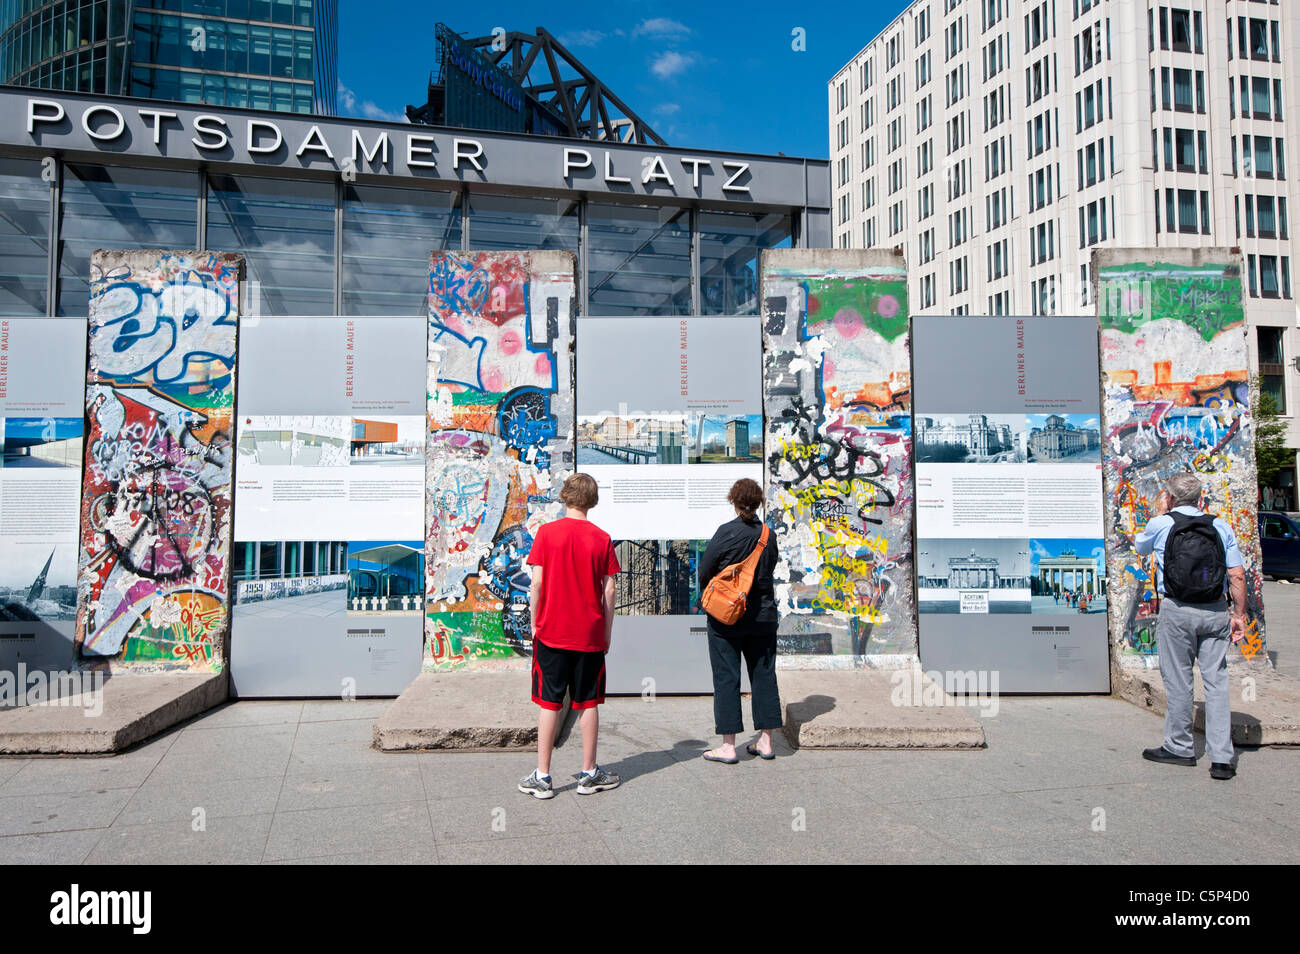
{"x": 349, "y": 105}
{"x": 667, "y": 109}
{"x": 583, "y": 38}
{"x": 670, "y": 63}
{"x": 660, "y": 26}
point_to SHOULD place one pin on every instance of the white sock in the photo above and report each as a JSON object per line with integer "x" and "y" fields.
{"x": 592, "y": 772}
{"x": 543, "y": 778}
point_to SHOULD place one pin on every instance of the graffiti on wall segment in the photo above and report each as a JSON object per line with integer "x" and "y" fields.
{"x": 1177, "y": 399}
{"x": 838, "y": 447}
{"x": 155, "y": 520}
{"x": 500, "y": 407}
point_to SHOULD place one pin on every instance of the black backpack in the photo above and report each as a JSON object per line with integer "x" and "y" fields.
{"x": 1195, "y": 566}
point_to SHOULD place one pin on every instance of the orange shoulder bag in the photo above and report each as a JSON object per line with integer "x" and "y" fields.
{"x": 727, "y": 594}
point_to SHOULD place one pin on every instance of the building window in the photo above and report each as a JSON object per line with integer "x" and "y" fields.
{"x": 1272, "y": 364}
{"x": 387, "y": 235}
{"x": 118, "y": 207}
{"x": 730, "y": 244}
{"x": 24, "y": 242}
{"x": 639, "y": 260}
{"x": 1268, "y": 285}
{"x": 285, "y": 230}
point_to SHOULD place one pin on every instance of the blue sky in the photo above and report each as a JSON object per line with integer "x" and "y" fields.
{"x": 703, "y": 75}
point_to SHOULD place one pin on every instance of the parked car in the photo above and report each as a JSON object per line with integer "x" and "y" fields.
{"x": 1279, "y": 539}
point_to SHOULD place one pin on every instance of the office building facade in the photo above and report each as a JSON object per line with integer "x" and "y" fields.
{"x": 280, "y": 55}
{"x": 999, "y": 142}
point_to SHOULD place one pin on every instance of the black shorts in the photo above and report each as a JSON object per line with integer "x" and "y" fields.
{"x": 555, "y": 670}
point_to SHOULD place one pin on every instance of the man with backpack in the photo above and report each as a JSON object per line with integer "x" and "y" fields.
{"x": 1197, "y": 564}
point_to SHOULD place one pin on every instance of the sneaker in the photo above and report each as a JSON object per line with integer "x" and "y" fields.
{"x": 537, "y": 787}
{"x": 599, "y": 782}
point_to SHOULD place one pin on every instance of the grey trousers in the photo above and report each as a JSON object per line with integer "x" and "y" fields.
{"x": 1187, "y": 633}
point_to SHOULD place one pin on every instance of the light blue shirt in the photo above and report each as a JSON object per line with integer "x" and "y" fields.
{"x": 1156, "y": 532}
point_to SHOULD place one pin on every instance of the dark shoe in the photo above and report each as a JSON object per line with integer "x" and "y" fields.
{"x": 1222, "y": 771}
{"x": 752, "y": 749}
{"x": 1164, "y": 755}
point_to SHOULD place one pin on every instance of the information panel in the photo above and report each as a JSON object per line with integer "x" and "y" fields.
{"x": 670, "y": 415}
{"x": 328, "y": 559}
{"x": 1010, "y": 545}
{"x": 42, "y": 390}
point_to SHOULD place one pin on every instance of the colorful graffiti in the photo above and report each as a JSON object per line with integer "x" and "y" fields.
{"x": 1177, "y": 399}
{"x": 500, "y": 410}
{"x": 838, "y": 446}
{"x": 155, "y": 516}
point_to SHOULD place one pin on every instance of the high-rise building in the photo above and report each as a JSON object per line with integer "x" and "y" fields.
{"x": 261, "y": 54}
{"x": 998, "y": 142}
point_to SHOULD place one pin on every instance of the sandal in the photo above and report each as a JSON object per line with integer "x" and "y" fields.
{"x": 752, "y": 750}
{"x": 710, "y": 757}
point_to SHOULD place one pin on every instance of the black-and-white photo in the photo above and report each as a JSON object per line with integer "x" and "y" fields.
{"x": 969, "y": 438}
{"x": 1000, "y": 569}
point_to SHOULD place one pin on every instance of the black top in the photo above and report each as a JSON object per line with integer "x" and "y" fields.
{"x": 734, "y": 541}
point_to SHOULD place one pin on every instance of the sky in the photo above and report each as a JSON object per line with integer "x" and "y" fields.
{"x": 704, "y": 75}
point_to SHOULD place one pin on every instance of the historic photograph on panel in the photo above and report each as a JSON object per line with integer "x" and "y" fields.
{"x": 387, "y": 440}
{"x": 969, "y": 438}
{"x": 725, "y": 438}
{"x": 1068, "y": 576}
{"x": 386, "y": 576}
{"x": 41, "y": 441}
{"x": 299, "y": 440}
{"x": 1064, "y": 438}
{"x": 38, "y": 582}
{"x": 974, "y": 576}
{"x": 659, "y": 578}
{"x": 625, "y": 439}
{"x": 282, "y": 579}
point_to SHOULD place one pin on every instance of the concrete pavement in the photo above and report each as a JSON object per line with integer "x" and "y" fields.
{"x": 298, "y": 782}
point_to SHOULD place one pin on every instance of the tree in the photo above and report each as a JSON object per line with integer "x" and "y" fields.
{"x": 1271, "y": 452}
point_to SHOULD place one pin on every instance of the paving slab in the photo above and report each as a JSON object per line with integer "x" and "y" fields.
{"x": 1265, "y": 709}
{"x": 134, "y": 708}
{"x": 859, "y": 709}
{"x": 461, "y": 710}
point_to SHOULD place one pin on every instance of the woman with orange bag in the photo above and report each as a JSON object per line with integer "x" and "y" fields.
{"x": 752, "y": 636}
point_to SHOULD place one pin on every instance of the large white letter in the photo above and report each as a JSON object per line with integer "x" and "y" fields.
{"x": 740, "y": 169}
{"x": 469, "y": 150}
{"x": 33, "y": 117}
{"x": 417, "y": 144}
{"x": 358, "y": 144}
{"x": 253, "y": 126}
{"x": 571, "y": 157}
{"x": 202, "y": 128}
{"x": 103, "y": 136}
{"x": 320, "y": 146}
{"x": 157, "y": 115}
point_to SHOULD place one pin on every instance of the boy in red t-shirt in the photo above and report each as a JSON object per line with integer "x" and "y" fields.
{"x": 572, "y": 598}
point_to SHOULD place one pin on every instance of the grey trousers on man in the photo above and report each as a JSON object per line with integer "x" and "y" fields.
{"x": 1187, "y": 633}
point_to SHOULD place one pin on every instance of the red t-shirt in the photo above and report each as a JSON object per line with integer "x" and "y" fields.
{"x": 575, "y": 557}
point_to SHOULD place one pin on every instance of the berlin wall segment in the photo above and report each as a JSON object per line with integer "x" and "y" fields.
{"x": 500, "y": 444}
{"x": 153, "y": 586}
{"x": 838, "y": 450}
{"x": 1177, "y": 398}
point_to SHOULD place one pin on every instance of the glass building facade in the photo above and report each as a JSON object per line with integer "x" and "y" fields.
{"x": 260, "y": 54}
{"x": 322, "y": 247}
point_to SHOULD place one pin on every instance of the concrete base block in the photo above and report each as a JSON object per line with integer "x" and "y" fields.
{"x": 1265, "y": 713}
{"x": 855, "y": 709}
{"x": 461, "y": 710}
{"x": 135, "y": 707}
